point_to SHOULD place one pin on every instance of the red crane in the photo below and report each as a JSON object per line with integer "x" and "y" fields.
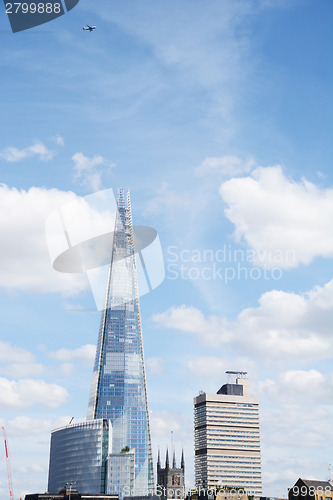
{"x": 10, "y": 483}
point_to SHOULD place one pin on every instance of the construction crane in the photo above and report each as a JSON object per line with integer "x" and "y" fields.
{"x": 9, "y": 473}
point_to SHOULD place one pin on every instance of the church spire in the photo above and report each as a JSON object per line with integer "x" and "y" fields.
{"x": 158, "y": 459}
{"x": 167, "y": 459}
{"x": 174, "y": 460}
{"x": 182, "y": 461}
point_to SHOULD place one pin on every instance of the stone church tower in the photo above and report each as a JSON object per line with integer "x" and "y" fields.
{"x": 171, "y": 480}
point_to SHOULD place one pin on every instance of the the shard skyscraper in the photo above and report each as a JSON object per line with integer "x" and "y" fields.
{"x": 111, "y": 451}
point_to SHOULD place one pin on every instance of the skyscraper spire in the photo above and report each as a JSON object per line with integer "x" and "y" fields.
{"x": 118, "y": 390}
{"x": 111, "y": 451}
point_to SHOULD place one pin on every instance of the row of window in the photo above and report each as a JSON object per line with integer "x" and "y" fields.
{"x": 227, "y": 460}
{"x": 242, "y": 408}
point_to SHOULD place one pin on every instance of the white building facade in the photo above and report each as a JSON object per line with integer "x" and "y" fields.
{"x": 227, "y": 438}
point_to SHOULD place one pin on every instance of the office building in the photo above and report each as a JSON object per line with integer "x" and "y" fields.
{"x": 114, "y": 443}
{"x": 78, "y": 454}
{"x": 120, "y": 472}
{"x": 227, "y": 438}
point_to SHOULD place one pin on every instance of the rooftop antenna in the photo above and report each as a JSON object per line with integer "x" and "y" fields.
{"x": 235, "y": 374}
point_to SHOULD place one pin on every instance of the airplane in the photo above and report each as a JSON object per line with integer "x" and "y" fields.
{"x": 89, "y": 28}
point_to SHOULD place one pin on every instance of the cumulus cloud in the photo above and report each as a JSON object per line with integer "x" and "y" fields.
{"x": 191, "y": 320}
{"x": 33, "y": 469}
{"x": 17, "y": 362}
{"x": 87, "y": 171}
{"x": 24, "y": 257}
{"x": 38, "y": 148}
{"x": 224, "y": 166}
{"x": 162, "y": 421}
{"x": 290, "y": 423}
{"x": 283, "y": 325}
{"x": 85, "y": 354}
{"x": 286, "y": 223}
{"x": 155, "y": 365}
{"x": 310, "y": 385}
{"x": 207, "y": 367}
{"x": 167, "y": 199}
{"x": 287, "y": 424}
{"x": 59, "y": 140}
{"x": 26, "y": 393}
{"x": 23, "y": 426}
{"x": 211, "y": 369}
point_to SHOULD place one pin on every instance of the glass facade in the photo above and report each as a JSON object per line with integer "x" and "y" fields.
{"x": 120, "y": 474}
{"x": 118, "y": 391}
{"x": 90, "y": 453}
{"x": 78, "y": 454}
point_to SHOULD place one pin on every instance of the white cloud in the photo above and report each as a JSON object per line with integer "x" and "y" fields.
{"x": 191, "y": 320}
{"x": 167, "y": 199}
{"x": 281, "y": 475}
{"x": 224, "y": 166}
{"x": 23, "y": 426}
{"x": 33, "y": 468}
{"x": 66, "y": 369}
{"x": 284, "y": 325}
{"x": 59, "y": 140}
{"x": 38, "y": 148}
{"x": 24, "y": 257}
{"x": 27, "y": 392}
{"x": 211, "y": 369}
{"x": 9, "y": 353}
{"x": 290, "y": 424}
{"x": 86, "y": 170}
{"x": 311, "y": 386}
{"x": 162, "y": 422}
{"x": 289, "y": 324}
{"x": 85, "y": 354}
{"x": 155, "y": 365}
{"x": 17, "y": 362}
{"x": 221, "y": 67}
{"x": 208, "y": 366}
{"x": 286, "y": 223}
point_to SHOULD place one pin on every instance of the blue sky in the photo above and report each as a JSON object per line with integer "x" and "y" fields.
{"x": 217, "y": 116}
